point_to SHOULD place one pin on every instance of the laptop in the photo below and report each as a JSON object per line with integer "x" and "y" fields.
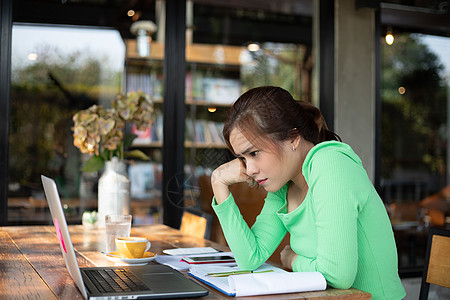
{"x": 151, "y": 281}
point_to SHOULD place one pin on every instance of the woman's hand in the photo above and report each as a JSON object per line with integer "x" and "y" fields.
{"x": 288, "y": 257}
{"x": 227, "y": 174}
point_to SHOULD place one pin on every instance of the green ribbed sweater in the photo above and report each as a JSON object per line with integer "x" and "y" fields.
{"x": 341, "y": 229}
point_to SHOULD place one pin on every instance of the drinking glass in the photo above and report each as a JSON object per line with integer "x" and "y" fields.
{"x": 116, "y": 226}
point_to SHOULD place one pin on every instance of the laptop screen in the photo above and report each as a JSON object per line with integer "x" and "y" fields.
{"x": 62, "y": 231}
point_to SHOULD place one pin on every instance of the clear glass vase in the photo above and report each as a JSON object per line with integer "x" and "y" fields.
{"x": 113, "y": 191}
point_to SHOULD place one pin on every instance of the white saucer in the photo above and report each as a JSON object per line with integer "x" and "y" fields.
{"x": 148, "y": 257}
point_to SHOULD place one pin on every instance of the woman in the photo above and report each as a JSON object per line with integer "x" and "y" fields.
{"x": 317, "y": 190}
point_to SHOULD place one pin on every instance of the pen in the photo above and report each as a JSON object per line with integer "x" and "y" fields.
{"x": 226, "y": 274}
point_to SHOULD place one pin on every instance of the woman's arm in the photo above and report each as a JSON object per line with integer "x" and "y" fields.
{"x": 251, "y": 247}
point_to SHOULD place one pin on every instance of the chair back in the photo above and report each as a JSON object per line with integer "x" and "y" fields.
{"x": 196, "y": 223}
{"x": 437, "y": 261}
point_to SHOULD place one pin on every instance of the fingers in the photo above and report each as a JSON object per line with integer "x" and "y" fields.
{"x": 230, "y": 172}
{"x": 251, "y": 182}
{"x": 224, "y": 176}
{"x": 286, "y": 248}
{"x": 287, "y": 256}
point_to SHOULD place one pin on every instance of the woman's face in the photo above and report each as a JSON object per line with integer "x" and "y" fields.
{"x": 267, "y": 167}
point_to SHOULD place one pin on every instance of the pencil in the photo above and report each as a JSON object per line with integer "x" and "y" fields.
{"x": 226, "y": 274}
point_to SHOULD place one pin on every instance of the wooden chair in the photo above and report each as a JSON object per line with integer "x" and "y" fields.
{"x": 196, "y": 223}
{"x": 437, "y": 261}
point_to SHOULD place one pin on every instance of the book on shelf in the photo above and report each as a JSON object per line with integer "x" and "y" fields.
{"x": 200, "y": 131}
{"x": 265, "y": 280}
{"x": 189, "y": 130}
{"x": 157, "y": 127}
{"x": 143, "y": 136}
{"x": 198, "y": 86}
{"x": 156, "y": 85}
{"x": 150, "y": 82}
{"x": 221, "y": 90}
{"x": 216, "y": 132}
{"x": 211, "y": 89}
{"x": 150, "y": 135}
{"x": 145, "y": 179}
{"x": 204, "y": 132}
{"x": 199, "y": 135}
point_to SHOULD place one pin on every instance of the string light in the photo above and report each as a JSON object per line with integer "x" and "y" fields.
{"x": 253, "y": 47}
{"x": 212, "y": 109}
{"x": 401, "y": 90}
{"x": 389, "y": 37}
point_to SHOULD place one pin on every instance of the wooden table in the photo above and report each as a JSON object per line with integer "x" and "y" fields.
{"x": 34, "y": 210}
{"x": 32, "y": 267}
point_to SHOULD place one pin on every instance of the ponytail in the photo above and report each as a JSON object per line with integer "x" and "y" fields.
{"x": 323, "y": 133}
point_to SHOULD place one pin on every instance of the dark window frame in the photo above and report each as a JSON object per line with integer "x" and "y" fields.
{"x": 5, "y": 86}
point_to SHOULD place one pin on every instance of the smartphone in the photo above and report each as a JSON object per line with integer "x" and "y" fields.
{"x": 209, "y": 259}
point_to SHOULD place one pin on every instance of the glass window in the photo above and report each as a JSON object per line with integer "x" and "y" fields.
{"x": 56, "y": 71}
{"x": 415, "y": 138}
{"x": 59, "y": 70}
{"x": 229, "y": 49}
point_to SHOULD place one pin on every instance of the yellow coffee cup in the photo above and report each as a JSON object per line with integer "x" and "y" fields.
{"x": 132, "y": 247}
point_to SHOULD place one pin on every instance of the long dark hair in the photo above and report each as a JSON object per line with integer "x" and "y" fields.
{"x": 271, "y": 114}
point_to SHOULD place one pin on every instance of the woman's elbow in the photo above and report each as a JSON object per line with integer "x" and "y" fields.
{"x": 249, "y": 264}
{"x": 340, "y": 282}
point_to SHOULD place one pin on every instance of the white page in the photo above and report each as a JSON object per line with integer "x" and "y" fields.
{"x": 222, "y": 283}
{"x": 275, "y": 282}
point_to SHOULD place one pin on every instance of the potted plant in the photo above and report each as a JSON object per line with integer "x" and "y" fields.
{"x": 101, "y": 132}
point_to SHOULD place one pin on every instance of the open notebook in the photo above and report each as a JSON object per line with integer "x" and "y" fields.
{"x": 273, "y": 280}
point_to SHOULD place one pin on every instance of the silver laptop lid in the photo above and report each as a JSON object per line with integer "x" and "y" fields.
{"x": 62, "y": 231}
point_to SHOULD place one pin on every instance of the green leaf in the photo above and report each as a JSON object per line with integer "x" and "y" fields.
{"x": 93, "y": 164}
{"x": 137, "y": 154}
{"x": 106, "y": 154}
{"x": 128, "y": 140}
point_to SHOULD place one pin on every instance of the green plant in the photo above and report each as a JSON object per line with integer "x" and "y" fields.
{"x": 101, "y": 131}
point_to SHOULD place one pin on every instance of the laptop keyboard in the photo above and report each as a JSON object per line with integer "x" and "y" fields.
{"x": 116, "y": 280}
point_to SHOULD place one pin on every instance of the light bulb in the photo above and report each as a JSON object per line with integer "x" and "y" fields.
{"x": 389, "y": 39}
{"x": 253, "y": 47}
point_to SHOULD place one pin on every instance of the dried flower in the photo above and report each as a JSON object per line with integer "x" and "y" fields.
{"x": 100, "y": 132}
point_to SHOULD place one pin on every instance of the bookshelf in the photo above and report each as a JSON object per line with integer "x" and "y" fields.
{"x": 213, "y": 82}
